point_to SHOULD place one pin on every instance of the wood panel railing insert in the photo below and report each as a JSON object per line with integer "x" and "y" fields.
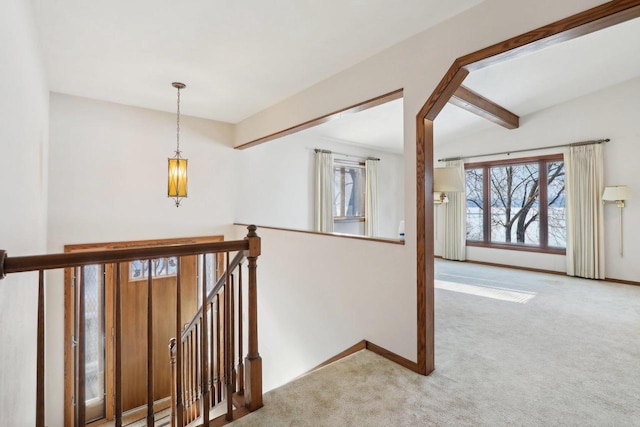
{"x": 202, "y": 355}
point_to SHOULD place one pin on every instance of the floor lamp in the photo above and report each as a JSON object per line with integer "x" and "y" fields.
{"x": 618, "y": 194}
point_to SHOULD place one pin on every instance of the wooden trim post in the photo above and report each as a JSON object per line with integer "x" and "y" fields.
{"x": 253, "y": 361}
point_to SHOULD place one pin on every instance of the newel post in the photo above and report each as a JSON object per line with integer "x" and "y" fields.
{"x": 253, "y": 361}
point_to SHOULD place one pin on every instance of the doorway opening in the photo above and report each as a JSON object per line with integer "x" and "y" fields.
{"x": 597, "y": 18}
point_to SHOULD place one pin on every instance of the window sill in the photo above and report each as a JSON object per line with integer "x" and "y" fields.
{"x": 349, "y": 219}
{"x": 514, "y": 247}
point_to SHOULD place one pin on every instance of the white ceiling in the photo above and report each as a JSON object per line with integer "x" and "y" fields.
{"x": 523, "y": 85}
{"x": 236, "y": 57}
{"x": 549, "y": 77}
{"x": 379, "y": 127}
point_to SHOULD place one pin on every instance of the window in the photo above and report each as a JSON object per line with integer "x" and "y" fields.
{"x": 94, "y": 332}
{"x": 517, "y": 203}
{"x": 160, "y": 267}
{"x": 349, "y": 191}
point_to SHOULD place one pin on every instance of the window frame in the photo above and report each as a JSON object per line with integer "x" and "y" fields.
{"x": 543, "y": 247}
{"x": 343, "y": 163}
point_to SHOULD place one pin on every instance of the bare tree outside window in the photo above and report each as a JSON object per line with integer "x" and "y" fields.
{"x": 349, "y": 192}
{"x": 514, "y": 204}
{"x": 475, "y": 203}
{"x": 556, "y": 215}
{"x": 516, "y": 214}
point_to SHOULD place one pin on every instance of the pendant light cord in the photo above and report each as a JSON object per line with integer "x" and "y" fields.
{"x": 178, "y": 127}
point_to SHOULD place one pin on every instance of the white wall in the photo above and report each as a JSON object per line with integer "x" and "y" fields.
{"x": 108, "y": 167}
{"x": 416, "y": 65}
{"x": 24, "y": 113}
{"x": 318, "y": 295}
{"x": 277, "y": 183}
{"x": 610, "y": 113}
{"x": 107, "y": 182}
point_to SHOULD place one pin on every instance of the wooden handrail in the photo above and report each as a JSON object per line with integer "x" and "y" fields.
{"x": 219, "y": 284}
{"x": 73, "y": 259}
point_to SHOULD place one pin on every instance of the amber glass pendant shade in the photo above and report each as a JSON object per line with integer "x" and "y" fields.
{"x": 177, "y": 182}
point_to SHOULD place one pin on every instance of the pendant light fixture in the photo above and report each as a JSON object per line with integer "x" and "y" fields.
{"x": 177, "y": 176}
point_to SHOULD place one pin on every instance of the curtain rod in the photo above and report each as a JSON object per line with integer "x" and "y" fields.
{"x": 574, "y": 144}
{"x": 318, "y": 150}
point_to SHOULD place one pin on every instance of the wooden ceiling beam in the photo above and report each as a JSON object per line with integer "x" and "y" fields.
{"x": 477, "y": 104}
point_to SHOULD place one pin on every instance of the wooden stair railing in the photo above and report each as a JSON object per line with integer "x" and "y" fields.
{"x": 197, "y": 382}
{"x": 196, "y": 387}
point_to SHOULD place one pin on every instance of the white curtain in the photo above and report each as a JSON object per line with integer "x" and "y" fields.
{"x": 584, "y": 183}
{"x": 455, "y": 220}
{"x": 324, "y": 192}
{"x": 371, "y": 195}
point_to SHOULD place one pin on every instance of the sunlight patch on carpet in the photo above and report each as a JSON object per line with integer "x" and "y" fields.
{"x": 502, "y": 294}
{"x": 490, "y": 282}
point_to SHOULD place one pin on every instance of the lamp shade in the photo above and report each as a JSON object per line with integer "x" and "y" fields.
{"x": 177, "y": 177}
{"x": 616, "y": 192}
{"x": 447, "y": 180}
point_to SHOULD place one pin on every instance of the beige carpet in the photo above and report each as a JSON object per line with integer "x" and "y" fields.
{"x": 512, "y": 349}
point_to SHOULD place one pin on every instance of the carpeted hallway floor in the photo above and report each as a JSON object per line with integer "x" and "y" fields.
{"x": 512, "y": 349}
